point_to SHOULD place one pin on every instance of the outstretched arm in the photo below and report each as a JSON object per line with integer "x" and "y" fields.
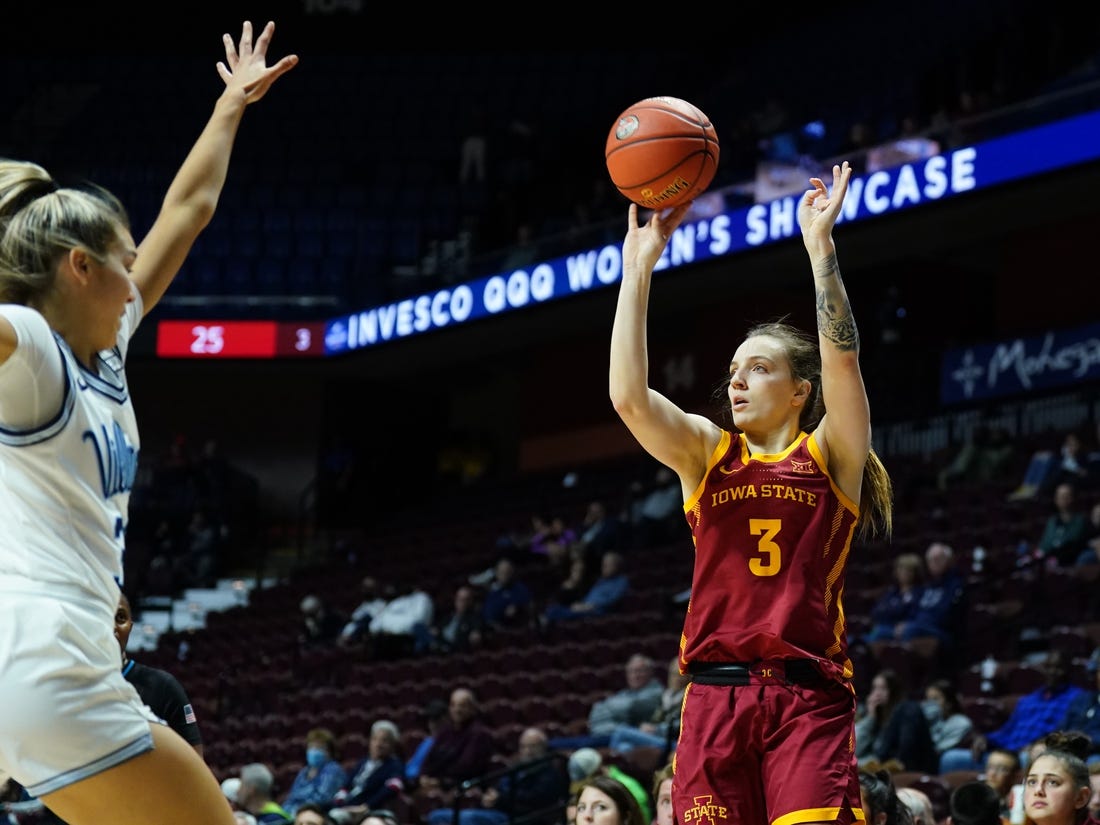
{"x": 679, "y": 440}
{"x": 193, "y": 195}
{"x": 845, "y": 431}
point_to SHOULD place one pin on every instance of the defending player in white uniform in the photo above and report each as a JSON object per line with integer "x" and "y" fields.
{"x": 73, "y": 288}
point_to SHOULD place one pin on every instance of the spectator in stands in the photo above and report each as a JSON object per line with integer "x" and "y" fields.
{"x": 312, "y": 814}
{"x": 158, "y": 689}
{"x": 947, "y": 723}
{"x": 1072, "y": 466}
{"x": 661, "y": 729}
{"x": 586, "y": 767}
{"x": 321, "y": 778}
{"x": 662, "y": 795}
{"x": 1083, "y": 713}
{"x": 892, "y": 731}
{"x": 463, "y": 747}
{"x": 599, "y": 532}
{"x": 460, "y": 629}
{"x": 574, "y": 585}
{"x": 1001, "y": 773}
{"x": 637, "y": 701}
{"x": 1091, "y": 552}
{"x": 393, "y": 628}
{"x": 371, "y": 782}
{"x": 1073, "y": 741}
{"x": 894, "y": 609}
{"x": 372, "y": 600}
{"x": 604, "y": 800}
{"x": 508, "y": 601}
{"x": 881, "y": 805}
{"x": 602, "y": 597}
{"x": 1039, "y": 468}
{"x": 1046, "y": 470}
{"x": 535, "y": 791}
{"x": 1065, "y": 530}
{"x": 230, "y": 786}
{"x": 517, "y": 543}
{"x": 1035, "y": 714}
{"x": 1094, "y": 799}
{"x": 976, "y": 803}
{"x": 1057, "y": 789}
{"x": 552, "y": 539}
{"x": 255, "y": 795}
{"x": 320, "y": 624}
{"x": 435, "y": 716}
{"x": 919, "y": 805}
{"x": 941, "y": 601}
{"x": 659, "y": 512}
{"x": 633, "y": 704}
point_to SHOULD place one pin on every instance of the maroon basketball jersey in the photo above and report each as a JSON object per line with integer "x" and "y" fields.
{"x": 772, "y": 535}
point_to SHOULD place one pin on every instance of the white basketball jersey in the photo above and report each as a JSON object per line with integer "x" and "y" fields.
{"x": 66, "y": 475}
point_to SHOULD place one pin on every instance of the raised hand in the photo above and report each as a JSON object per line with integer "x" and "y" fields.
{"x": 245, "y": 66}
{"x": 645, "y": 243}
{"x": 818, "y": 208}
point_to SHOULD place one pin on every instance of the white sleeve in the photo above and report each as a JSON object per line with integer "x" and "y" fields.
{"x": 32, "y": 380}
{"x": 131, "y": 319}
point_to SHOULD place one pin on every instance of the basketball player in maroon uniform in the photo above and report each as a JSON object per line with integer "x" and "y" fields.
{"x": 773, "y": 504}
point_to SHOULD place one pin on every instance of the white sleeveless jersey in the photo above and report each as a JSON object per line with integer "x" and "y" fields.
{"x": 67, "y": 470}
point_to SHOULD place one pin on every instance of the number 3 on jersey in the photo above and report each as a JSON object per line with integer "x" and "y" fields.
{"x": 770, "y": 560}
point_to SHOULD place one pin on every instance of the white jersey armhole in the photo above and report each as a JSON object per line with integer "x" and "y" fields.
{"x": 131, "y": 320}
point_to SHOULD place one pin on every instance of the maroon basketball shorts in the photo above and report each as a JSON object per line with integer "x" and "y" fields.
{"x": 767, "y": 744}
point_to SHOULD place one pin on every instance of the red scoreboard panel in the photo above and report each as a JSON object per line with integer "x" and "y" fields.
{"x": 297, "y": 340}
{"x": 239, "y": 339}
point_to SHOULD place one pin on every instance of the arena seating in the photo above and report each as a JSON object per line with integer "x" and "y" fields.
{"x": 257, "y": 692}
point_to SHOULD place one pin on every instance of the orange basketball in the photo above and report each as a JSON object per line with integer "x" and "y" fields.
{"x": 661, "y": 152}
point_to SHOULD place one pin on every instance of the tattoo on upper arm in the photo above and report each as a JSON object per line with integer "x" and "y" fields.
{"x": 834, "y": 313}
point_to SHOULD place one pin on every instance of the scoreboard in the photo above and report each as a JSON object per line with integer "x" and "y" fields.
{"x": 240, "y": 339}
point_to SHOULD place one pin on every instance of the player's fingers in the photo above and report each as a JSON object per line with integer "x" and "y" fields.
{"x": 841, "y": 177}
{"x": 674, "y": 218}
{"x": 284, "y": 65}
{"x": 230, "y": 50}
{"x": 246, "y": 38}
{"x": 265, "y": 37}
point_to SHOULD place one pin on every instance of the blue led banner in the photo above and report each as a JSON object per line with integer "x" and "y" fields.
{"x": 720, "y": 232}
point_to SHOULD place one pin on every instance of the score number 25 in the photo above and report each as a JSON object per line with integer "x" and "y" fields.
{"x": 207, "y": 340}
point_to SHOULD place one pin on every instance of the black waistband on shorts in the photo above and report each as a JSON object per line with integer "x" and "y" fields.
{"x": 790, "y": 671}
